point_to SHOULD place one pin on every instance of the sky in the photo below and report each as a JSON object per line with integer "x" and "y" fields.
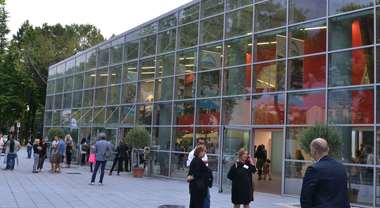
{"x": 110, "y": 16}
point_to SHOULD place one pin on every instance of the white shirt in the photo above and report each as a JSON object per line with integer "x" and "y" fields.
{"x": 190, "y": 157}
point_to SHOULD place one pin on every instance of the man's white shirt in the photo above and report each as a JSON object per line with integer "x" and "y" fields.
{"x": 190, "y": 157}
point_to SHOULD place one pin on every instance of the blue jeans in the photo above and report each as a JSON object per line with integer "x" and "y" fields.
{"x": 206, "y": 202}
{"x": 102, "y": 165}
{"x": 11, "y": 161}
{"x": 29, "y": 150}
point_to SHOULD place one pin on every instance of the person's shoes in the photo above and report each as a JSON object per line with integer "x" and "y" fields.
{"x": 35, "y": 171}
{"x": 100, "y": 183}
{"x": 91, "y": 184}
{"x": 118, "y": 174}
{"x": 110, "y": 174}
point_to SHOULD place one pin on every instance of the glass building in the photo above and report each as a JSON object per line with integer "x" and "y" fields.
{"x": 239, "y": 73}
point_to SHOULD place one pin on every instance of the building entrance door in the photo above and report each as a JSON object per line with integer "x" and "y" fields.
{"x": 267, "y": 146}
{"x": 233, "y": 140}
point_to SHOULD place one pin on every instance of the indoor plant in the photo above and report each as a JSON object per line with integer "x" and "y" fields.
{"x": 138, "y": 138}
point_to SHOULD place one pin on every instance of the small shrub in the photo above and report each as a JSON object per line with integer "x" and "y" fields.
{"x": 138, "y": 138}
{"x": 55, "y": 132}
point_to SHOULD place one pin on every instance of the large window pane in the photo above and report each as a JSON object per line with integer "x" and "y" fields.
{"x": 306, "y": 108}
{"x": 189, "y": 14}
{"x": 91, "y": 60}
{"x": 68, "y": 83}
{"x": 166, "y": 41}
{"x": 49, "y": 102}
{"x": 129, "y": 93}
{"x": 167, "y": 22}
{"x": 270, "y": 45}
{"x": 103, "y": 56}
{"x": 58, "y": 101}
{"x": 50, "y": 87}
{"x": 148, "y": 46}
{"x": 77, "y": 99}
{"x": 165, "y": 65}
{"x": 115, "y": 74}
{"x": 184, "y": 113}
{"x": 210, "y": 57}
{"x": 237, "y": 80}
{"x": 352, "y": 30}
{"x": 308, "y": 38}
{"x": 339, "y": 6}
{"x": 270, "y": 14}
{"x": 188, "y": 35}
{"x": 112, "y": 115}
{"x": 208, "y": 112}
{"x": 161, "y": 138}
{"x": 59, "y": 85}
{"x": 186, "y": 61}
{"x": 269, "y": 77}
{"x": 146, "y": 93}
{"x": 293, "y": 149}
{"x": 117, "y": 51}
{"x": 239, "y": 22}
{"x": 130, "y": 72}
{"x": 210, "y": 7}
{"x": 307, "y": 72}
{"x": 211, "y": 29}
{"x": 268, "y": 109}
{"x": 101, "y": 77}
{"x": 89, "y": 79}
{"x": 294, "y": 173}
{"x": 302, "y": 10}
{"x": 209, "y": 84}
{"x": 88, "y": 97}
{"x": 99, "y": 115}
{"x": 160, "y": 164}
{"x": 211, "y": 135}
{"x": 164, "y": 89}
{"x": 162, "y": 114}
{"x": 351, "y": 67}
{"x": 144, "y": 114}
{"x": 147, "y": 69}
{"x": 128, "y": 115}
{"x": 100, "y": 96}
{"x": 80, "y": 63}
{"x": 238, "y": 52}
{"x": 78, "y": 81}
{"x": 131, "y": 50}
{"x": 182, "y": 141}
{"x": 113, "y": 95}
{"x": 185, "y": 86}
{"x": 233, "y": 4}
{"x": 67, "y": 98}
{"x": 351, "y": 106}
{"x": 86, "y": 116}
{"x": 236, "y": 111}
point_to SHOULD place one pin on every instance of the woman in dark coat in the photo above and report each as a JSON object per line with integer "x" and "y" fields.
{"x": 198, "y": 178}
{"x": 241, "y": 174}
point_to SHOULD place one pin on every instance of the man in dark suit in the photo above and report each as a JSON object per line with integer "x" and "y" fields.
{"x": 325, "y": 182}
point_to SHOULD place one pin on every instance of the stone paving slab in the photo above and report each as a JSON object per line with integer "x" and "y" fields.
{"x": 21, "y": 188}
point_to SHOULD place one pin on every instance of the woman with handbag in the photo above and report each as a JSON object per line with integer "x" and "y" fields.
{"x": 198, "y": 178}
{"x": 240, "y": 174}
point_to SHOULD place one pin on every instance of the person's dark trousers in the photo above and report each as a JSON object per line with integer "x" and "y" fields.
{"x": 11, "y": 161}
{"x": 68, "y": 158}
{"x": 29, "y": 150}
{"x": 115, "y": 160}
{"x": 41, "y": 162}
{"x": 127, "y": 165}
{"x": 102, "y": 165}
{"x": 120, "y": 165}
{"x": 206, "y": 202}
{"x": 83, "y": 159}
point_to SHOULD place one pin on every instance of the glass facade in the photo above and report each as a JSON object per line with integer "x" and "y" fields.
{"x": 235, "y": 72}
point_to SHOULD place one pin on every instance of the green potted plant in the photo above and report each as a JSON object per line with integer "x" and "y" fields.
{"x": 139, "y": 139}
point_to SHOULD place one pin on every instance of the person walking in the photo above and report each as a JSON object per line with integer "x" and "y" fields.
{"x": 43, "y": 155}
{"x": 198, "y": 178}
{"x": 101, "y": 149}
{"x": 121, "y": 155}
{"x": 261, "y": 156}
{"x": 29, "y": 147}
{"x": 12, "y": 146}
{"x": 241, "y": 174}
{"x": 69, "y": 149}
{"x": 325, "y": 182}
{"x": 37, "y": 148}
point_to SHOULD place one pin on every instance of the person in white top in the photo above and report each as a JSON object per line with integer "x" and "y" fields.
{"x": 190, "y": 157}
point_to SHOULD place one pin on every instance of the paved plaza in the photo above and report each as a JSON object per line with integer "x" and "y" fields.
{"x": 23, "y": 189}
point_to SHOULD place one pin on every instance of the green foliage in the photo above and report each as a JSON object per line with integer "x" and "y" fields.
{"x": 138, "y": 138}
{"x": 56, "y": 132}
{"x": 321, "y": 131}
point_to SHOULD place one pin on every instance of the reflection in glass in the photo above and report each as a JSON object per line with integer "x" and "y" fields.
{"x": 306, "y": 108}
{"x": 113, "y": 95}
{"x": 58, "y": 101}
{"x": 208, "y": 112}
{"x": 237, "y": 80}
{"x": 148, "y": 46}
{"x": 209, "y": 84}
{"x": 117, "y": 51}
{"x": 67, "y": 100}
{"x": 352, "y": 30}
{"x": 351, "y": 106}
{"x": 188, "y": 35}
{"x": 164, "y": 89}
{"x": 294, "y": 173}
{"x": 159, "y": 163}
{"x": 211, "y": 135}
{"x": 130, "y": 72}
{"x": 161, "y": 138}
{"x": 103, "y": 55}
{"x": 115, "y": 74}
{"x": 239, "y": 22}
{"x": 59, "y": 85}
{"x": 178, "y": 167}
{"x": 88, "y": 98}
{"x": 129, "y": 93}
{"x": 308, "y": 38}
{"x": 360, "y": 185}
{"x": 78, "y": 81}
{"x": 182, "y": 139}
{"x": 185, "y": 86}
{"x": 91, "y": 59}
{"x": 49, "y": 102}
{"x": 293, "y": 149}
{"x": 128, "y": 115}
{"x": 112, "y": 115}
{"x": 162, "y": 114}
{"x": 270, "y": 45}
{"x": 165, "y": 65}
{"x": 184, "y": 113}
{"x": 210, "y": 57}
{"x": 189, "y": 14}
{"x": 186, "y": 61}
{"x": 233, "y": 4}
{"x": 131, "y": 50}
{"x": 147, "y": 69}
{"x": 89, "y": 79}
{"x": 68, "y": 83}
{"x": 100, "y": 96}
{"x": 302, "y": 10}
{"x": 166, "y": 41}
{"x": 167, "y": 22}
{"x": 269, "y": 77}
{"x": 210, "y": 7}
{"x": 238, "y": 52}
{"x": 144, "y": 114}
{"x": 339, "y": 6}
{"x": 354, "y": 67}
{"x": 270, "y": 14}
{"x": 77, "y": 99}
{"x": 236, "y": 111}
{"x": 268, "y": 109}
{"x": 99, "y": 115}
{"x": 307, "y": 72}
{"x": 146, "y": 93}
{"x": 211, "y": 29}
{"x": 101, "y": 77}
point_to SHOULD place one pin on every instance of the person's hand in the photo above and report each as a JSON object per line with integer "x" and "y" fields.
{"x": 190, "y": 178}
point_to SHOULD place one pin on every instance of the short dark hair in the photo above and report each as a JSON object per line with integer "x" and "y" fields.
{"x": 102, "y": 136}
{"x": 200, "y": 138}
{"x": 198, "y": 150}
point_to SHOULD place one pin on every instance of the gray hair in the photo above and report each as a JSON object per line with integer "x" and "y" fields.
{"x": 320, "y": 146}
{"x": 102, "y": 136}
